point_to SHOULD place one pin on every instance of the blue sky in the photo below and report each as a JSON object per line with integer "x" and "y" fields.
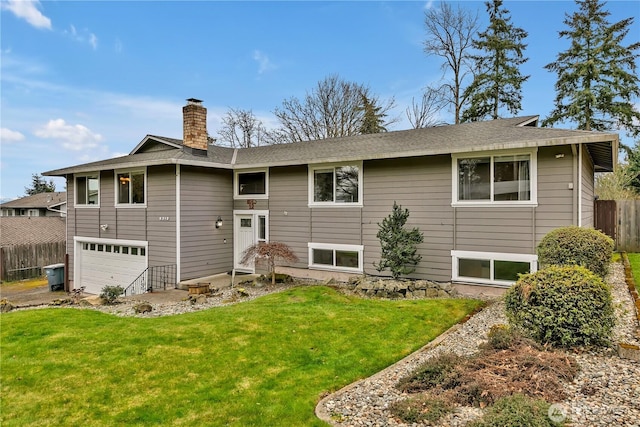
{"x": 83, "y": 81}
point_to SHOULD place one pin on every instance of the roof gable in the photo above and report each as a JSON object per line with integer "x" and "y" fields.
{"x": 156, "y": 143}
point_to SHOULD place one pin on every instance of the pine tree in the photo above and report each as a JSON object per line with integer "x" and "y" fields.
{"x": 39, "y": 185}
{"x": 498, "y": 82}
{"x": 597, "y": 78}
{"x": 399, "y": 252}
{"x": 372, "y": 117}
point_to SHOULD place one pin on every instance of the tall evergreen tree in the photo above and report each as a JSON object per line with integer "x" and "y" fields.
{"x": 372, "y": 116}
{"x": 597, "y": 78}
{"x": 498, "y": 82}
{"x": 39, "y": 185}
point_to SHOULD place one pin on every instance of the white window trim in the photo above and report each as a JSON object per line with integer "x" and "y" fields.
{"x": 336, "y": 247}
{"x": 236, "y": 184}
{"x": 115, "y": 189}
{"x": 533, "y": 179}
{"x": 333, "y": 204}
{"x": 75, "y": 190}
{"x": 489, "y": 256}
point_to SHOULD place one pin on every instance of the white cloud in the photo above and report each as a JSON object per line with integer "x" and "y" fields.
{"x": 428, "y": 5}
{"x": 27, "y": 10}
{"x": 8, "y": 135}
{"x": 72, "y": 137}
{"x": 82, "y": 36}
{"x": 264, "y": 63}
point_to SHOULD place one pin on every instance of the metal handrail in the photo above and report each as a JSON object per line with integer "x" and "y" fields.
{"x": 153, "y": 278}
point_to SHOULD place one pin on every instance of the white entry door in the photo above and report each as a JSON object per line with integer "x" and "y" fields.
{"x": 249, "y": 228}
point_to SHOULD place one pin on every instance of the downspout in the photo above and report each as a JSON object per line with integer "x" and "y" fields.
{"x": 178, "y": 251}
{"x": 574, "y": 161}
{"x": 580, "y": 185}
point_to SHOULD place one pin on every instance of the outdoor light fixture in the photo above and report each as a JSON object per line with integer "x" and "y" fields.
{"x": 219, "y": 222}
{"x": 104, "y": 227}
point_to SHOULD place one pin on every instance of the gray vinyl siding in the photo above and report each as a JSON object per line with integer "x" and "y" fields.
{"x": 289, "y": 213}
{"x": 338, "y": 225}
{"x": 555, "y": 198}
{"x": 587, "y": 189}
{"x": 422, "y": 185}
{"x": 205, "y": 194}
{"x": 108, "y": 213}
{"x": 161, "y": 215}
{"x": 495, "y": 229}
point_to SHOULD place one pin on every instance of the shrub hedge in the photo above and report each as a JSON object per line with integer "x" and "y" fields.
{"x": 564, "y": 306}
{"x": 574, "y": 245}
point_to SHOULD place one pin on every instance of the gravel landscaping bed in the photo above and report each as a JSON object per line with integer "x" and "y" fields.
{"x": 606, "y": 392}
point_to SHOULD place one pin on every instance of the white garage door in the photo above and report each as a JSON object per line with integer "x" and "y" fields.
{"x": 103, "y": 264}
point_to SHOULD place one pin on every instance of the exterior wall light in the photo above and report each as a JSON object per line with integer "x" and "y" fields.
{"x": 219, "y": 222}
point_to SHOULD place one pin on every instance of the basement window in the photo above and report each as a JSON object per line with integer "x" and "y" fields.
{"x": 491, "y": 268}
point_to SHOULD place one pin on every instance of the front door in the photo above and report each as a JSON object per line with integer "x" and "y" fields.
{"x": 250, "y": 227}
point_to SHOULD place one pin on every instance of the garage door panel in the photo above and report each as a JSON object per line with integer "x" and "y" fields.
{"x": 110, "y": 265}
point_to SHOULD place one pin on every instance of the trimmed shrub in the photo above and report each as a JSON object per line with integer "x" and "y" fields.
{"x": 110, "y": 294}
{"x": 517, "y": 411}
{"x": 576, "y": 246}
{"x": 562, "y": 306}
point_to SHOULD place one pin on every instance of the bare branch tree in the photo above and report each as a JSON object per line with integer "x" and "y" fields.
{"x": 334, "y": 108}
{"x": 270, "y": 253}
{"x": 242, "y": 129}
{"x": 423, "y": 113}
{"x": 449, "y": 35}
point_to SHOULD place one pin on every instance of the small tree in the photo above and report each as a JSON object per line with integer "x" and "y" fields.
{"x": 399, "y": 252}
{"x": 270, "y": 253}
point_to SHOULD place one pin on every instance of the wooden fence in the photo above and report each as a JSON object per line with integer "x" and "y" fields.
{"x": 619, "y": 219}
{"x": 26, "y": 261}
{"x": 628, "y": 232}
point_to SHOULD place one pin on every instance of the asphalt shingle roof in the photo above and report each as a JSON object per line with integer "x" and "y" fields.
{"x": 468, "y": 137}
{"x": 40, "y": 200}
{"x": 25, "y": 230}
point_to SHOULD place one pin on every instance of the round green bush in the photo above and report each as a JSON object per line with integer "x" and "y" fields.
{"x": 563, "y": 306}
{"x": 576, "y": 246}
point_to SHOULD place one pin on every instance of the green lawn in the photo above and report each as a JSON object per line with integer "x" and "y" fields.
{"x": 634, "y": 260}
{"x": 262, "y": 363}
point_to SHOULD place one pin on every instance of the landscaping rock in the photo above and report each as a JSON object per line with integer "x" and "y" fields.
{"x": 143, "y": 307}
{"x": 395, "y": 289}
{"x": 5, "y": 306}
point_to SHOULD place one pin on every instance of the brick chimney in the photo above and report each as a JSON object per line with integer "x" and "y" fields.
{"x": 194, "y": 117}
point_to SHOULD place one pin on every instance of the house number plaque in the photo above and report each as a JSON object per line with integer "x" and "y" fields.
{"x": 164, "y": 218}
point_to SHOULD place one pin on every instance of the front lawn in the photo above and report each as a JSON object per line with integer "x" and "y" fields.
{"x": 262, "y": 363}
{"x": 634, "y": 261}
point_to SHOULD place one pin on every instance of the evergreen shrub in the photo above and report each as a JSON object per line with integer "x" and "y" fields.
{"x": 564, "y": 306}
{"x": 574, "y": 245}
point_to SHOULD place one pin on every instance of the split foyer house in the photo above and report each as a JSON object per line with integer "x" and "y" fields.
{"x": 483, "y": 194}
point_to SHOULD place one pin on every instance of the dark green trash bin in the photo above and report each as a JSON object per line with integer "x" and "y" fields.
{"x": 55, "y": 276}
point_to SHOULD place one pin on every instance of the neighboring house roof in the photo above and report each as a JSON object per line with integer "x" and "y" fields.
{"x": 22, "y": 230}
{"x": 514, "y": 133}
{"x": 39, "y": 201}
